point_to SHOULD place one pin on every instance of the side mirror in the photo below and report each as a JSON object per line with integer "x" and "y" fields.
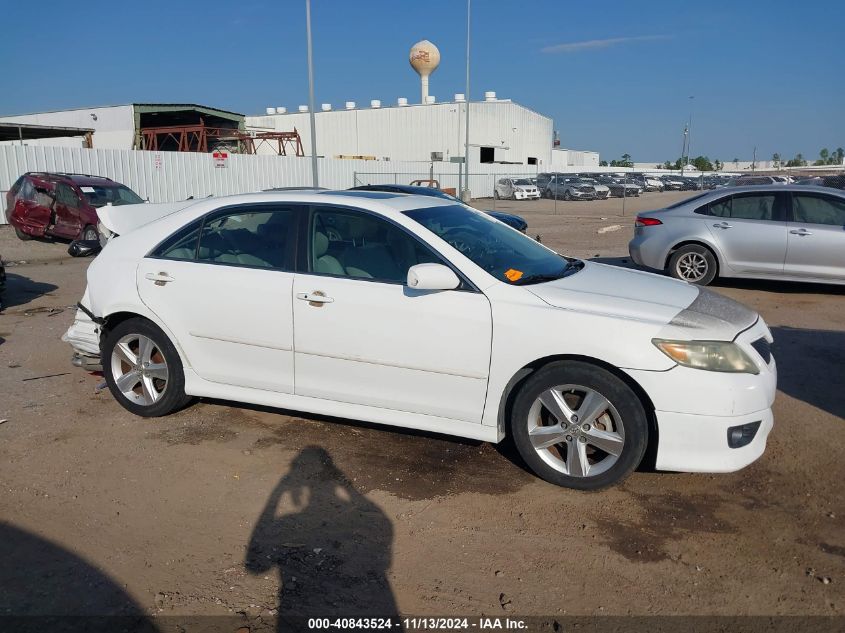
{"x": 432, "y": 277}
{"x": 84, "y": 248}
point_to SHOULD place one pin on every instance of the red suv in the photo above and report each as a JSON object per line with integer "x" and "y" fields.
{"x": 61, "y": 205}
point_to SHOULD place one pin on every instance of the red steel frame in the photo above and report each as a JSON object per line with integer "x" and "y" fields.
{"x": 194, "y": 138}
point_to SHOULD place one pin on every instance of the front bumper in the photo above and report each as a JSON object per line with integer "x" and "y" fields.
{"x": 699, "y": 444}
{"x": 526, "y": 195}
{"x": 583, "y": 195}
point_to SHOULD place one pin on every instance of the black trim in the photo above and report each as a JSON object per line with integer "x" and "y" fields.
{"x": 95, "y": 319}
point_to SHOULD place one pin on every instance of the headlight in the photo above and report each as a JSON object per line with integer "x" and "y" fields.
{"x": 519, "y": 189}
{"x": 709, "y": 355}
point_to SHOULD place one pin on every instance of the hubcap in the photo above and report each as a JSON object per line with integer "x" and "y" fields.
{"x": 576, "y": 430}
{"x": 692, "y": 267}
{"x": 139, "y": 369}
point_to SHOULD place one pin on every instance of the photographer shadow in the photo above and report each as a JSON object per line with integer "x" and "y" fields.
{"x": 332, "y": 546}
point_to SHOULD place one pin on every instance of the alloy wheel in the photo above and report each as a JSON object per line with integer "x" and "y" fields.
{"x": 576, "y": 430}
{"x": 139, "y": 369}
{"x": 692, "y": 267}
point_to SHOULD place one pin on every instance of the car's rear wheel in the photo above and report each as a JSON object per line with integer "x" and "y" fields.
{"x": 579, "y": 426}
{"x": 693, "y": 263}
{"x": 89, "y": 233}
{"x": 142, "y": 369}
{"x": 21, "y": 235}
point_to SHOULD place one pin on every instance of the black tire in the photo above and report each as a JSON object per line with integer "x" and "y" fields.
{"x": 172, "y": 397}
{"x": 682, "y": 259}
{"x": 620, "y": 397}
{"x": 89, "y": 233}
{"x": 566, "y": 195}
{"x": 24, "y": 237}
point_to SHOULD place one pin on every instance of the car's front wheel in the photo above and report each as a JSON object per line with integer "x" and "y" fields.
{"x": 21, "y": 235}
{"x": 693, "y": 263}
{"x": 142, "y": 369}
{"x": 579, "y": 426}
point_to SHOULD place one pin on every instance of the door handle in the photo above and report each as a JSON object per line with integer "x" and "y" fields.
{"x": 800, "y": 232}
{"x": 316, "y": 298}
{"x": 723, "y": 225}
{"x": 159, "y": 278}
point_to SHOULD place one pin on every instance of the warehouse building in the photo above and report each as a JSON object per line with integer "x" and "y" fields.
{"x": 500, "y": 131}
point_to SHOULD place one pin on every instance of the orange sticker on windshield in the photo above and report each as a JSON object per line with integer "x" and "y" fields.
{"x": 513, "y": 274}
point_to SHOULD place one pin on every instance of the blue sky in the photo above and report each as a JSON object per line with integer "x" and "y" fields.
{"x": 615, "y": 76}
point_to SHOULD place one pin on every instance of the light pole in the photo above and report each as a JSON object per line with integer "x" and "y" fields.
{"x": 314, "y": 175}
{"x": 689, "y": 131}
{"x": 465, "y": 194}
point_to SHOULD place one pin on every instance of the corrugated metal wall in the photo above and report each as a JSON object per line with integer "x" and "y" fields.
{"x": 171, "y": 176}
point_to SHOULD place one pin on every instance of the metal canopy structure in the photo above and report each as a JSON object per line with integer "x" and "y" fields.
{"x": 28, "y": 132}
{"x": 201, "y": 138}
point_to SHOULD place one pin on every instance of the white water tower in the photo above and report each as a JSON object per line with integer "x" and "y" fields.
{"x": 424, "y": 58}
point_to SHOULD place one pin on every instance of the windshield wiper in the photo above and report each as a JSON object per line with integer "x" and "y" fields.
{"x": 539, "y": 278}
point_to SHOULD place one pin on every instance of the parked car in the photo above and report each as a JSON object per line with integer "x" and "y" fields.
{"x": 516, "y": 189}
{"x": 745, "y": 181}
{"x": 602, "y": 191}
{"x": 619, "y": 187}
{"x": 672, "y": 183}
{"x": 570, "y": 187}
{"x": 511, "y": 219}
{"x": 542, "y": 181}
{"x": 788, "y": 232}
{"x": 42, "y": 204}
{"x": 692, "y": 183}
{"x": 652, "y": 183}
{"x": 422, "y": 313}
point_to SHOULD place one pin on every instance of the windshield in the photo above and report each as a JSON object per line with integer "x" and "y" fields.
{"x": 506, "y": 254}
{"x": 98, "y": 196}
{"x": 522, "y": 181}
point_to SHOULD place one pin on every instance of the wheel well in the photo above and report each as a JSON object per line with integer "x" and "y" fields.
{"x": 693, "y": 243}
{"x": 512, "y": 388}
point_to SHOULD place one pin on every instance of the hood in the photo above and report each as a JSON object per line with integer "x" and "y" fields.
{"x": 685, "y": 311}
{"x": 122, "y": 219}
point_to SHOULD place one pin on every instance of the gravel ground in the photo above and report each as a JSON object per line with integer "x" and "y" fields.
{"x": 229, "y": 509}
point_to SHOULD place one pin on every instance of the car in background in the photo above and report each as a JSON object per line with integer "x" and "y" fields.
{"x": 44, "y": 204}
{"x": 785, "y": 232}
{"x": 512, "y": 220}
{"x": 569, "y": 187}
{"x": 602, "y": 191}
{"x": 672, "y": 183}
{"x": 516, "y": 189}
{"x": 646, "y": 183}
{"x": 746, "y": 181}
{"x": 420, "y": 313}
{"x": 692, "y": 183}
{"x": 620, "y": 187}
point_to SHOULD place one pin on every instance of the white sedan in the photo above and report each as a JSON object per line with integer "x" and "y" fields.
{"x": 425, "y": 314}
{"x": 516, "y": 189}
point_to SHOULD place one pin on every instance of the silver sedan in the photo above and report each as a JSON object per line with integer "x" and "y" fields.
{"x": 787, "y": 232}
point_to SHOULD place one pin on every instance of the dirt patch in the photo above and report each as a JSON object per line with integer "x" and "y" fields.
{"x": 663, "y": 518}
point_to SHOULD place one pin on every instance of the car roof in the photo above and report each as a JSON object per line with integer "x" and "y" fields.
{"x": 384, "y": 203}
{"x": 83, "y": 180}
{"x": 410, "y": 189}
{"x": 703, "y": 198}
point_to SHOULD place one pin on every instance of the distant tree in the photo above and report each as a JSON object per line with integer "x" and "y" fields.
{"x": 798, "y": 161}
{"x": 603, "y": 163}
{"x": 626, "y": 161}
{"x": 736, "y": 162}
{"x": 839, "y": 155}
{"x": 717, "y": 165}
{"x": 776, "y": 159}
{"x": 702, "y": 163}
{"x": 824, "y": 155}
{"x": 667, "y": 165}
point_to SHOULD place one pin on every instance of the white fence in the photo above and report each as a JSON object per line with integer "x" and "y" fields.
{"x": 170, "y": 176}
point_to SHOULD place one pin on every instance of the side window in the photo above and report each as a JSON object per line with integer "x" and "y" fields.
{"x": 66, "y": 195}
{"x": 352, "y": 244}
{"x": 721, "y": 208}
{"x": 502, "y": 181}
{"x": 753, "y": 207}
{"x": 262, "y": 239}
{"x": 182, "y": 244}
{"x": 815, "y": 209}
